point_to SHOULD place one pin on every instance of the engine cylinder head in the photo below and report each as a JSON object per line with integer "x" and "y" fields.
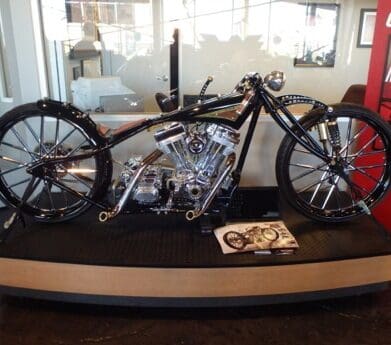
{"x": 222, "y": 142}
{"x": 172, "y": 141}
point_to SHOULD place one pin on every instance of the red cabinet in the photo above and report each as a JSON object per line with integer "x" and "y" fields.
{"x": 378, "y": 94}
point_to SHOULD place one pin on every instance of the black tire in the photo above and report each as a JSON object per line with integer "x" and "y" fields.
{"x": 344, "y": 198}
{"x": 28, "y": 133}
{"x": 234, "y": 240}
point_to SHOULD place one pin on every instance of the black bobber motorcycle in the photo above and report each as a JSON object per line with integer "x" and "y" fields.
{"x": 334, "y": 163}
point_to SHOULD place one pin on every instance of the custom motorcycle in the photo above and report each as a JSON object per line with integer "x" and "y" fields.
{"x": 334, "y": 163}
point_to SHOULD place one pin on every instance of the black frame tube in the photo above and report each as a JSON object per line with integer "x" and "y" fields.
{"x": 261, "y": 98}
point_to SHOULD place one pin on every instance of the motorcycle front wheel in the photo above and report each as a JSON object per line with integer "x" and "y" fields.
{"x": 358, "y": 175}
{"x": 28, "y": 135}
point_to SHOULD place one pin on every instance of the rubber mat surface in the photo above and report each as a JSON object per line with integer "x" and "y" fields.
{"x": 171, "y": 241}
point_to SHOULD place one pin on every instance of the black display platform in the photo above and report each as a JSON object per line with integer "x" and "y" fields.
{"x": 149, "y": 244}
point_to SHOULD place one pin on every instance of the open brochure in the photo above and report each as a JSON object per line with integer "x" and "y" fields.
{"x": 259, "y": 237}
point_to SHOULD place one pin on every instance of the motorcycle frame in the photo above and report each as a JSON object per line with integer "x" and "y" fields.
{"x": 277, "y": 107}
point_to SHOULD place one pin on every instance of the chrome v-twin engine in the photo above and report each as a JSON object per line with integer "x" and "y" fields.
{"x": 197, "y": 156}
{"x": 200, "y": 158}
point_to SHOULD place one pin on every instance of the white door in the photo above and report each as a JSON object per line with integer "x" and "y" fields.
{"x": 8, "y": 69}
{"x": 22, "y": 67}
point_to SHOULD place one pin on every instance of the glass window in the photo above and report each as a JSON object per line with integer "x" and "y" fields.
{"x": 107, "y": 55}
{"x": 115, "y": 55}
{"x": 5, "y": 78}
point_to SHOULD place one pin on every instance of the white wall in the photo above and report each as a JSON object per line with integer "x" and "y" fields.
{"x": 138, "y": 72}
{"x": 324, "y": 83}
{"x": 5, "y": 12}
{"x": 25, "y": 62}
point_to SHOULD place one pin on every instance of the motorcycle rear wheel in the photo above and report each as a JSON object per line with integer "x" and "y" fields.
{"x": 235, "y": 240}
{"x": 319, "y": 190}
{"x": 27, "y": 134}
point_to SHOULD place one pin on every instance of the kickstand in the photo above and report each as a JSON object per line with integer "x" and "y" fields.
{"x": 10, "y": 223}
{"x": 17, "y": 214}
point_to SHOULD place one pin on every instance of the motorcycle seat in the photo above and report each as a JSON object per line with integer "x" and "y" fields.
{"x": 165, "y": 103}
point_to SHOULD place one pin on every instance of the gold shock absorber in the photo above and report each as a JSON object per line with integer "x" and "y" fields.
{"x": 335, "y": 136}
{"x": 322, "y": 130}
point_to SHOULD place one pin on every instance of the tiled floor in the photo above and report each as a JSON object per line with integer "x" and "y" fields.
{"x": 355, "y": 320}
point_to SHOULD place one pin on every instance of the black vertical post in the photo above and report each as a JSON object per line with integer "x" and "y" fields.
{"x": 174, "y": 68}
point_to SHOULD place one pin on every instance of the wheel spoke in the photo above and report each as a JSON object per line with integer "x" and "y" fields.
{"x": 351, "y": 194}
{"x": 318, "y": 186}
{"x": 35, "y": 136}
{"x": 42, "y": 136}
{"x": 303, "y": 151}
{"x": 80, "y": 180}
{"x": 13, "y": 169}
{"x": 56, "y": 136}
{"x": 314, "y": 184}
{"x": 364, "y": 147}
{"x": 371, "y": 166}
{"x": 306, "y": 173}
{"x": 31, "y": 187}
{"x": 306, "y": 166}
{"x": 66, "y": 180}
{"x": 64, "y": 194}
{"x": 60, "y": 143}
{"x": 356, "y": 186}
{"x": 337, "y": 196}
{"x": 358, "y": 134}
{"x": 11, "y": 160}
{"x": 77, "y": 148}
{"x": 348, "y": 137}
{"x": 49, "y": 193}
{"x": 19, "y": 183}
{"x": 332, "y": 188}
{"x": 38, "y": 200}
{"x": 366, "y": 174}
{"x": 365, "y": 154}
{"x": 71, "y": 191}
{"x": 19, "y": 148}
{"x": 20, "y": 139}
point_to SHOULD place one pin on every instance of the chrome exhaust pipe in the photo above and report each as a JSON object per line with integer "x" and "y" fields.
{"x": 193, "y": 214}
{"x": 107, "y": 215}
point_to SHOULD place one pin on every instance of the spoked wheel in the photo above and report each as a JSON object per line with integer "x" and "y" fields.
{"x": 358, "y": 176}
{"x": 235, "y": 240}
{"x": 28, "y": 135}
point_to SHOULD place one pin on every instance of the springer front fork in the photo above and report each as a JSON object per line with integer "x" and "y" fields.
{"x": 328, "y": 131}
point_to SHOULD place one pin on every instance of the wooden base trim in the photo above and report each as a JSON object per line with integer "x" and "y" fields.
{"x": 193, "y": 282}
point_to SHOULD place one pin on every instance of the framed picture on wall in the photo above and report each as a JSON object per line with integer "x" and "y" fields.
{"x": 366, "y": 28}
{"x": 317, "y": 42}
